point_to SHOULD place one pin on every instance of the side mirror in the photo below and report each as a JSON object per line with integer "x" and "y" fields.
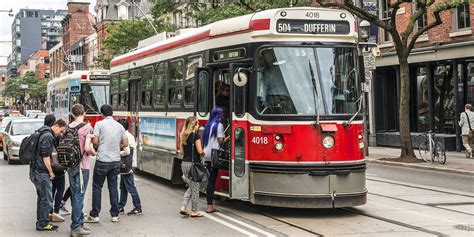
{"x": 240, "y": 78}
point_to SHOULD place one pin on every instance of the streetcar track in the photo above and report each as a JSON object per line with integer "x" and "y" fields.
{"x": 425, "y": 204}
{"x": 413, "y": 227}
{"x": 419, "y": 187}
{"x": 245, "y": 206}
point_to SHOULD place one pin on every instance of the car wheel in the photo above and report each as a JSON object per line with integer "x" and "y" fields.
{"x": 5, "y": 156}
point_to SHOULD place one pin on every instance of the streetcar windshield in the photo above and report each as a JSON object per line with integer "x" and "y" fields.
{"x": 93, "y": 97}
{"x": 284, "y": 80}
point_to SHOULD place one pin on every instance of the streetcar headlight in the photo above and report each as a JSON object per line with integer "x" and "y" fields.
{"x": 279, "y": 146}
{"x": 361, "y": 145}
{"x": 277, "y": 137}
{"x": 360, "y": 136}
{"x": 328, "y": 142}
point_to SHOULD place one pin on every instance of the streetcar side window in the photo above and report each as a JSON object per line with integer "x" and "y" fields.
{"x": 123, "y": 89}
{"x": 160, "y": 84}
{"x": 189, "y": 91}
{"x": 114, "y": 90}
{"x": 147, "y": 87}
{"x": 175, "y": 82}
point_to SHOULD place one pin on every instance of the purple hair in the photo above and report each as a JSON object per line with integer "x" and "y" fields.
{"x": 214, "y": 119}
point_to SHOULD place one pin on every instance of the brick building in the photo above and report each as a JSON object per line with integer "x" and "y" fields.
{"x": 441, "y": 76}
{"x": 38, "y": 62}
{"x": 70, "y": 54}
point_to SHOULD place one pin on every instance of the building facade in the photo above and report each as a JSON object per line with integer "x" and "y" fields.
{"x": 33, "y": 29}
{"x": 441, "y": 77}
{"x": 109, "y": 12}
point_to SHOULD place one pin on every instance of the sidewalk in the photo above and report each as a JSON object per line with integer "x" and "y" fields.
{"x": 456, "y": 162}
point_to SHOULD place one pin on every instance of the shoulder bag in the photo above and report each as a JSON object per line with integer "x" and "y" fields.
{"x": 471, "y": 132}
{"x": 219, "y": 158}
{"x": 198, "y": 172}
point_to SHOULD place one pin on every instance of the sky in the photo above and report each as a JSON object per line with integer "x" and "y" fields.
{"x": 16, "y": 5}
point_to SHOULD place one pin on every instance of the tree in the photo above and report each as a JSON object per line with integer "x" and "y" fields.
{"x": 404, "y": 39}
{"x": 36, "y": 87}
{"x": 206, "y": 13}
{"x": 125, "y": 36}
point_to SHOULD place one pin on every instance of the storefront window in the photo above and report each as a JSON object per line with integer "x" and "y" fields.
{"x": 443, "y": 98}
{"x": 470, "y": 84}
{"x": 422, "y": 94}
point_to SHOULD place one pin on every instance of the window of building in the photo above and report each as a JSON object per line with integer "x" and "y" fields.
{"x": 175, "y": 82}
{"x": 443, "y": 99}
{"x": 147, "y": 86}
{"x": 189, "y": 92}
{"x": 29, "y": 14}
{"x": 160, "y": 83}
{"x": 421, "y": 22}
{"x": 385, "y": 12}
{"x": 461, "y": 17}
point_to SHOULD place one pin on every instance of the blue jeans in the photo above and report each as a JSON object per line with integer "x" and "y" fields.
{"x": 77, "y": 197}
{"x": 44, "y": 201}
{"x": 102, "y": 170}
{"x": 127, "y": 185}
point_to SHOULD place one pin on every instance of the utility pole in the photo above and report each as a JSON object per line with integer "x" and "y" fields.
{"x": 144, "y": 15}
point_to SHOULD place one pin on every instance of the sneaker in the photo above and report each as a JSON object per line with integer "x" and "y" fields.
{"x": 135, "y": 211}
{"x": 79, "y": 231}
{"x": 86, "y": 227}
{"x": 115, "y": 218}
{"x": 121, "y": 211}
{"x": 63, "y": 211}
{"x": 91, "y": 219}
{"x": 55, "y": 217}
{"x": 48, "y": 227}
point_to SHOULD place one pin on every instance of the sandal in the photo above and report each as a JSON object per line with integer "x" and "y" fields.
{"x": 198, "y": 215}
{"x": 213, "y": 210}
{"x": 184, "y": 213}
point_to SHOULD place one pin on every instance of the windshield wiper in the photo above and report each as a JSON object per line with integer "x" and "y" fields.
{"x": 345, "y": 124}
{"x": 315, "y": 92}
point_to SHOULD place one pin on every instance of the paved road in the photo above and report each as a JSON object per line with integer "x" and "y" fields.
{"x": 396, "y": 206}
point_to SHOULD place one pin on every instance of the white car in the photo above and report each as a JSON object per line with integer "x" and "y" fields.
{"x": 14, "y": 133}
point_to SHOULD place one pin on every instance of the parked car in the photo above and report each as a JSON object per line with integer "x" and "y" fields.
{"x": 15, "y": 113}
{"x": 34, "y": 114}
{"x": 40, "y": 115}
{"x": 4, "y": 124}
{"x": 29, "y": 113}
{"x": 15, "y": 132}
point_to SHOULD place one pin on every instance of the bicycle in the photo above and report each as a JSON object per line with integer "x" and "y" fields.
{"x": 438, "y": 153}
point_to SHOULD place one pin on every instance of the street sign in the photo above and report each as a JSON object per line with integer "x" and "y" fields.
{"x": 368, "y": 75}
{"x": 24, "y": 86}
{"x": 74, "y": 58}
{"x": 369, "y": 62}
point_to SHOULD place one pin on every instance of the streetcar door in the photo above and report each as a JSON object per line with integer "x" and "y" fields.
{"x": 239, "y": 167}
{"x": 134, "y": 97}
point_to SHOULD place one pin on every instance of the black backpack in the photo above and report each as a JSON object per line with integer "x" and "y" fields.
{"x": 69, "y": 150}
{"x": 29, "y": 147}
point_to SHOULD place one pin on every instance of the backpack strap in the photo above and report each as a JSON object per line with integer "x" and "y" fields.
{"x": 33, "y": 162}
{"x": 468, "y": 121}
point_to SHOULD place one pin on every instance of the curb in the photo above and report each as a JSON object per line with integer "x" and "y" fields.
{"x": 415, "y": 166}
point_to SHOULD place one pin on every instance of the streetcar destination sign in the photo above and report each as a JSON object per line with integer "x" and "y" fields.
{"x": 312, "y": 27}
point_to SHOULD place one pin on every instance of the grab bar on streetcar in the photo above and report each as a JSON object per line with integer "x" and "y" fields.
{"x": 319, "y": 173}
{"x": 341, "y": 172}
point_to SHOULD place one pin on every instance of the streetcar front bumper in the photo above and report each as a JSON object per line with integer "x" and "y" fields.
{"x": 308, "y": 186}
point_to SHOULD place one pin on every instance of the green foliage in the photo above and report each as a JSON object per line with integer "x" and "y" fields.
{"x": 208, "y": 13}
{"x": 36, "y": 87}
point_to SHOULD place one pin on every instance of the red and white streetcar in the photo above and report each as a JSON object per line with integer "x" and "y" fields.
{"x": 89, "y": 88}
{"x": 295, "y": 86}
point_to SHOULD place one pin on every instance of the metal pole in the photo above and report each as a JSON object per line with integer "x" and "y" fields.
{"x": 144, "y": 15}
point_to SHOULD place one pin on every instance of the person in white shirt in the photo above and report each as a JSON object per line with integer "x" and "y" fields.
{"x": 127, "y": 184}
{"x": 213, "y": 139}
{"x": 466, "y": 122}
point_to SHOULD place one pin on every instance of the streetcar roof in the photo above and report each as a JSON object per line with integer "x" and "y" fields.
{"x": 261, "y": 24}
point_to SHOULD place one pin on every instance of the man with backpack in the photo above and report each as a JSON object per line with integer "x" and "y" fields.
{"x": 466, "y": 122}
{"x": 41, "y": 171}
{"x": 73, "y": 154}
{"x": 110, "y": 136}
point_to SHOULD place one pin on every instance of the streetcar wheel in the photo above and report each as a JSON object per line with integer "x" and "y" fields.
{"x": 424, "y": 151}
